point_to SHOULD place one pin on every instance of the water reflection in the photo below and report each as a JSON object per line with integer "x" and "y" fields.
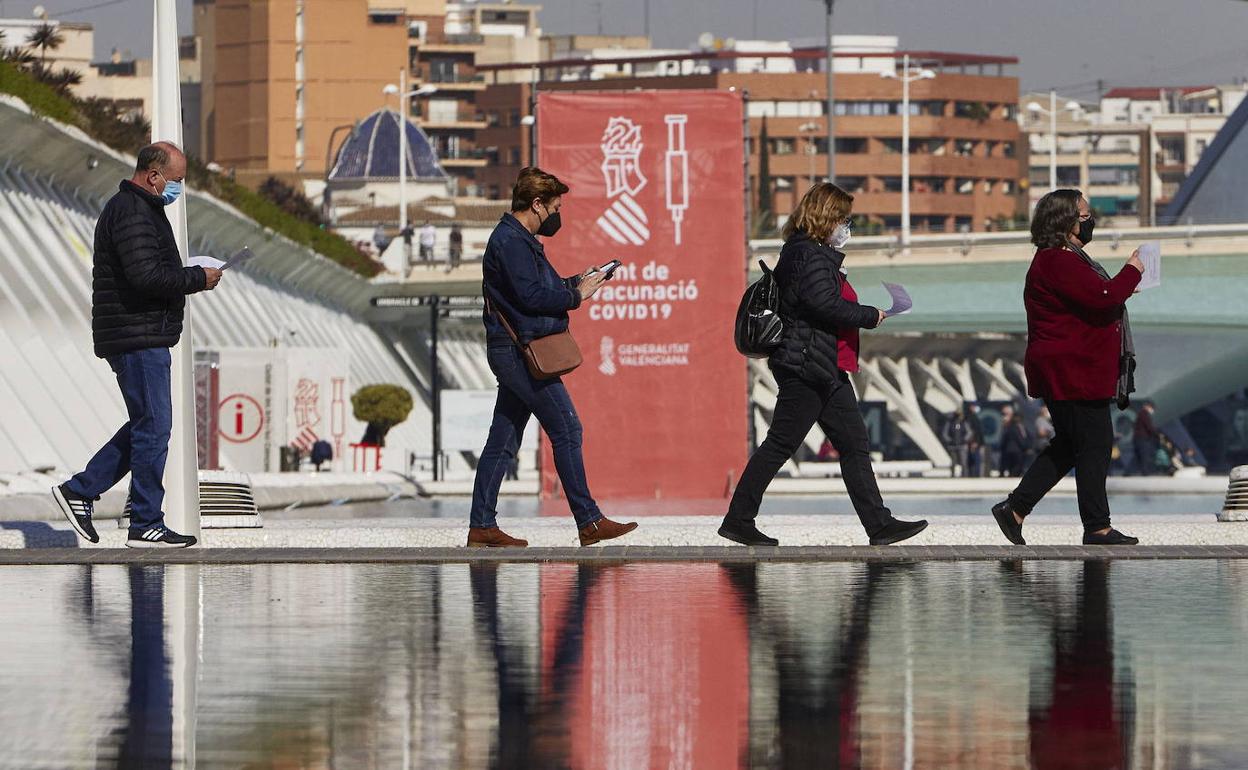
{"x": 1043, "y": 665}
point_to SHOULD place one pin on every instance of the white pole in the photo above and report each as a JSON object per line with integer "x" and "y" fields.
{"x": 182, "y": 467}
{"x": 182, "y": 587}
{"x": 905, "y": 151}
{"x": 407, "y": 252}
{"x": 1052, "y": 140}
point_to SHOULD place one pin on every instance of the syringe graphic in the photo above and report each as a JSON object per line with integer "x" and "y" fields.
{"x": 677, "y": 170}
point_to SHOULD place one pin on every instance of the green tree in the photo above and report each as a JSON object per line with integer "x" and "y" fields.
{"x": 763, "y": 218}
{"x": 382, "y": 407}
{"x": 45, "y": 37}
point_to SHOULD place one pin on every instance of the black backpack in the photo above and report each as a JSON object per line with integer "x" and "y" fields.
{"x": 759, "y": 328}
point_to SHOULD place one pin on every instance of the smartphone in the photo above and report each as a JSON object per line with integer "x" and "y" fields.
{"x": 608, "y": 268}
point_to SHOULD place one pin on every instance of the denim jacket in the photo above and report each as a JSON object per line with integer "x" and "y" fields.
{"x": 520, "y": 282}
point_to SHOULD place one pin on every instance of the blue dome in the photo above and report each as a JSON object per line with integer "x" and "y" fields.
{"x": 372, "y": 151}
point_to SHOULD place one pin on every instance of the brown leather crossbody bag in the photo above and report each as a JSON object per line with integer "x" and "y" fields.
{"x": 547, "y": 357}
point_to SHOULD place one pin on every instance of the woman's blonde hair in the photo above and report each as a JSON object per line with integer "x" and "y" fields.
{"x": 823, "y": 207}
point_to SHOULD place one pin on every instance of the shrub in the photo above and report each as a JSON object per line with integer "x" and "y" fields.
{"x": 382, "y": 407}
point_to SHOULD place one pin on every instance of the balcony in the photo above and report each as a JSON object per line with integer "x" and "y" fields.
{"x": 451, "y": 122}
{"x": 455, "y": 44}
{"x": 456, "y": 82}
{"x": 465, "y": 158}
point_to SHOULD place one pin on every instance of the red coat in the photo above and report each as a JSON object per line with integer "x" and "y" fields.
{"x": 847, "y": 339}
{"x": 1074, "y": 327}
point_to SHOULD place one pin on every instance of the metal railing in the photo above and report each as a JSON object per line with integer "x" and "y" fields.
{"x": 966, "y": 243}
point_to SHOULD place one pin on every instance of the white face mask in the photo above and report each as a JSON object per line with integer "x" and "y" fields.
{"x": 841, "y": 235}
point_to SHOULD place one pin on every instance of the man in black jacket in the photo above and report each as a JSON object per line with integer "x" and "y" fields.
{"x": 138, "y": 292}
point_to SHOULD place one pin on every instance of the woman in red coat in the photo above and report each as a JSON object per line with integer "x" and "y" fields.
{"x": 1076, "y": 319}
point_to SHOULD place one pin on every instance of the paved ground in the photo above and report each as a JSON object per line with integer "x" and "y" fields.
{"x": 662, "y": 537}
{"x": 610, "y": 554}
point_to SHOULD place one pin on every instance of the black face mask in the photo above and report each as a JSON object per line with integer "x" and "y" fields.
{"x": 550, "y": 225}
{"x": 1085, "y": 230}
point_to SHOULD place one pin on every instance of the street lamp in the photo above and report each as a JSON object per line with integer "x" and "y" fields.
{"x": 906, "y": 77}
{"x": 404, "y": 95}
{"x": 809, "y": 130}
{"x": 1035, "y": 109}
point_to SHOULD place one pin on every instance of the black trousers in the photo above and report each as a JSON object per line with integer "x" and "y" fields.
{"x": 1083, "y": 440}
{"x": 799, "y": 406}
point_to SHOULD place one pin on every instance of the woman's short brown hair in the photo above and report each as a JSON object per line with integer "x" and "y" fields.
{"x": 823, "y": 207}
{"x": 1056, "y": 215}
{"x": 533, "y": 184}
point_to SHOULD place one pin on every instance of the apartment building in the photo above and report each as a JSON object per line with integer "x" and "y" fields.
{"x": 965, "y": 138}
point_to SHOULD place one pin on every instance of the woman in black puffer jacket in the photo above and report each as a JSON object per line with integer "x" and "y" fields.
{"x": 821, "y": 318}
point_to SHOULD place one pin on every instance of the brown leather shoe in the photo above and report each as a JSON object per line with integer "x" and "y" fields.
{"x": 605, "y": 529}
{"x": 493, "y": 537}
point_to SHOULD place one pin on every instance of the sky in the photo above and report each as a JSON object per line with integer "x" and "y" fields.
{"x": 1068, "y": 44}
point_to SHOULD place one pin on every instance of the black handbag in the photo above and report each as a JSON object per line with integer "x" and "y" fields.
{"x": 758, "y": 330}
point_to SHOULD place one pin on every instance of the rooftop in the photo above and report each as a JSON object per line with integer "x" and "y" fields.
{"x": 372, "y": 151}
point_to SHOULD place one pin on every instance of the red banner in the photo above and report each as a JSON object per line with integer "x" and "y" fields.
{"x": 657, "y": 182}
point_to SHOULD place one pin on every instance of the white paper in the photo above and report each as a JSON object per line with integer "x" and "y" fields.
{"x": 240, "y": 257}
{"x": 203, "y": 261}
{"x": 1150, "y": 255}
{"x": 901, "y": 299}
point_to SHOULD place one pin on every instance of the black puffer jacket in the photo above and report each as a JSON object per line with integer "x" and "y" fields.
{"x": 811, "y": 306}
{"x": 139, "y": 284}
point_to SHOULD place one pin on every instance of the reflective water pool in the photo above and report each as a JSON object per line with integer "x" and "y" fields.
{"x": 927, "y": 665}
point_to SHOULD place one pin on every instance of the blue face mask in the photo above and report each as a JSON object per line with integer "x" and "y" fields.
{"x": 173, "y": 191}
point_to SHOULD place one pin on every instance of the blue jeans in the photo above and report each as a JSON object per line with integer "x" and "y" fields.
{"x": 519, "y": 397}
{"x": 141, "y": 447}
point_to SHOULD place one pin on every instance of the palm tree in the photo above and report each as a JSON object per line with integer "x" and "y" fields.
{"x": 44, "y": 37}
{"x": 63, "y": 80}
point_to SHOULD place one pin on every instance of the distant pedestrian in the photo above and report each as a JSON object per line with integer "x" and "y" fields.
{"x": 456, "y": 240}
{"x": 1015, "y": 445}
{"x": 818, "y": 349}
{"x": 322, "y": 452}
{"x": 428, "y": 235}
{"x": 1078, "y": 340}
{"x": 1044, "y": 430}
{"x": 957, "y": 435}
{"x": 1145, "y": 440}
{"x": 138, "y": 293}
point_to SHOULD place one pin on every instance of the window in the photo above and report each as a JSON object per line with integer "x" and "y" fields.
{"x": 514, "y": 117}
{"x": 892, "y": 183}
{"x": 927, "y": 184}
{"x": 933, "y": 224}
{"x": 514, "y": 157}
{"x": 965, "y": 186}
{"x": 849, "y": 146}
{"x": 964, "y": 148}
{"x": 872, "y": 108}
{"x": 962, "y": 224}
{"x": 382, "y": 17}
{"x": 1007, "y": 149}
{"x": 782, "y": 145}
{"x": 1201, "y": 144}
{"x": 972, "y": 110}
{"x": 855, "y": 184}
{"x": 891, "y": 146}
{"x": 443, "y": 110}
{"x": 1007, "y": 187}
{"x": 442, "y": 71}
{"x": 931, "y": 108}
{"x": 987, "y": 187}
{"x": 1113, "y": 175}
{"x": 1068, "y": 176}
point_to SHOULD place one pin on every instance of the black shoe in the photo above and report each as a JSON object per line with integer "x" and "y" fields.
{"x": 1009, "y": 525}
{"x": 1112, "y": 537}
{"x": 745, "y": 534}
{"x": 158, "y": 536}
{"x": 897, "y": 530}
{"x": 78, "y": 511}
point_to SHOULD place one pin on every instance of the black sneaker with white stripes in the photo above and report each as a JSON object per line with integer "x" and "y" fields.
{"x": 77, "y": 511}
{"x": 158, "y": 536}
